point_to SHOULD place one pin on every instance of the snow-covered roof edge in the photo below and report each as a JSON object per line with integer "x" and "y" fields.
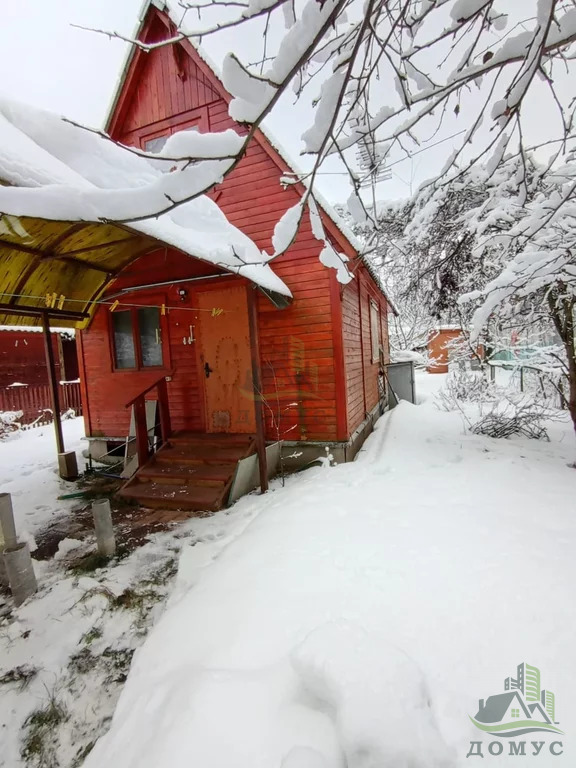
{"x": 128, "y": 56}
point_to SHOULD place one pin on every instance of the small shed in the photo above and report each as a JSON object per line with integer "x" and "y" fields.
{"x": 440, "y": 345}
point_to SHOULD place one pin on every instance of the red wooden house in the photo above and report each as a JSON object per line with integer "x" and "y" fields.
{"x": 318, "y": 358}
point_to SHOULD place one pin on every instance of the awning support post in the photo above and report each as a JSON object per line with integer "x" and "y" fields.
{"x": 257, "y": 389}
{"x": 53, "y": 382}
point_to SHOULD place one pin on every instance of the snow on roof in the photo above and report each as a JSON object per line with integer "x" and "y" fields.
{"x": 62, "y": 172}
{"x": 174, "y": 12}
{"x": 172, "y": 7}
{"x": 36, "y": 329}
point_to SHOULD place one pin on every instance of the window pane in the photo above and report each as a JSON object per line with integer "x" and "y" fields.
{"x": 124, "y": 353}
{"x": 150, "y": 341}
{"x": 155, "y": 145}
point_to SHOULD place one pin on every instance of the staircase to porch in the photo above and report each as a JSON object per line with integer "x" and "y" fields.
{"x": 191, "y": 471}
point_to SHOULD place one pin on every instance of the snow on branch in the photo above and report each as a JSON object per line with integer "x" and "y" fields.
{"x": 390, "y": 77}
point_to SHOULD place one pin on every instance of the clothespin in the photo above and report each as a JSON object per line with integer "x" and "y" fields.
{"x": 61, "y": 301}
{"x": 216, "y": 311}
{"x": 163, "y": 309}
{"x": 51, "y": 300}
{"x": 113, "y": 307}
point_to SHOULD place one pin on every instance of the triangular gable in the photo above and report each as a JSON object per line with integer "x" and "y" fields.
{"x": 538, "y": 709}
{"x": 157, "y": 25}
{"x": 138, "y": 101}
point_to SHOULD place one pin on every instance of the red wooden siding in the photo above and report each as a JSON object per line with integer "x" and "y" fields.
{"x": 361, "y": 372}
{"x": 311, "y": 353}
{"x": 23, "y": 359}
{"x": 108, "y": 391}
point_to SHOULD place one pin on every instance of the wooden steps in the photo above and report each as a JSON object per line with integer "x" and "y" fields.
{"x": 191, "y": 471}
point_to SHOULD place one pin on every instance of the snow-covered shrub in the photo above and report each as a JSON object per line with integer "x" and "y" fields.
{"x": 9, "y": 423}
{"x": 463, "y": 386}
{"x": 518, "y": 415}
{"x": 69, "y": 414}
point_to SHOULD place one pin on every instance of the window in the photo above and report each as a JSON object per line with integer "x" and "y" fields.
{"x": 155, "y": 145}
{"x": 515, "y": 712}
{"x": 374, "y": 322}
{"x": 137, "y": 338}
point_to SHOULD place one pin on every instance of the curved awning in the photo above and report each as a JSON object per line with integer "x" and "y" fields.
{"x": 64, "y": 195}
{"x": 71, "y": 262}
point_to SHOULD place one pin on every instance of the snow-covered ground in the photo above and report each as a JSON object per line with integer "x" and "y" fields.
{"x": 29, "y": 471}
{"x": 365, "y": 610}
{"x": 65, "y": 654}
{"x": 351, "y": 619}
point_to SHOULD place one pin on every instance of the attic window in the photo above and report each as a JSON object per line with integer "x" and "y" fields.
{"x": 155, "y": 145}
{"x": 515, "y": 712}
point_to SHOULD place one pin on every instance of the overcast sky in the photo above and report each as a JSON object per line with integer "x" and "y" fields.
{"x": 50, "y": 64}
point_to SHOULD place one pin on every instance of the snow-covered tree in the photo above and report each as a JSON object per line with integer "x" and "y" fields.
{"x": 537, "y": 286}
{"x": 423, "y": 248}
{"x": 384, "y": 78}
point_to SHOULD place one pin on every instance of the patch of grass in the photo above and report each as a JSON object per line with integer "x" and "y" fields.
{"x": 115, "y": 661}
{"x": 90, "y": 563}
{"x": 94, "y": 561}
{"x": 118, "y": 662}
{"x": 93, "y": 634}
{"x": 20, "y": 675}
{"x": 134, "y": 600}
{"x": 82, "y": 662}
{"x": 82, "y": 754}
{"x": 38, "y": 742}
{"x": 162, "y": 574}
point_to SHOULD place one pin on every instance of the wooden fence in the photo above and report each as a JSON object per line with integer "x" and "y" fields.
{"x": 34, "y": 402}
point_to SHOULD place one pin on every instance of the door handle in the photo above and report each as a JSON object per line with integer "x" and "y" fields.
{"x": 207, "y": 370}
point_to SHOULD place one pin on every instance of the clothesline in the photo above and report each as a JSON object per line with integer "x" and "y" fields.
{"x": 53, "y": 300}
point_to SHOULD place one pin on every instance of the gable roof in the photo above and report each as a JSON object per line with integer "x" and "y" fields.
{"x": 496, "y": 707}
{"x": 214, "y": 74}
{"x": 536, "y": 706}
{"x": 334, "y": 223}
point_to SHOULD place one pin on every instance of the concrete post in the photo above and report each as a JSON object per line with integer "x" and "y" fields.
{"x": 20, "y": 572}
{"x": 7, "y": 526}
{"x": 104, "y": 529}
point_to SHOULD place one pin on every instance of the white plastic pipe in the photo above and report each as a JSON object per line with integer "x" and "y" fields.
{"x": 20, "y": 572}
{"x": 104, "y": 529}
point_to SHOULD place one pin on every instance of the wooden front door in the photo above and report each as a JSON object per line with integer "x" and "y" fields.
{"x": 225, "y": 365}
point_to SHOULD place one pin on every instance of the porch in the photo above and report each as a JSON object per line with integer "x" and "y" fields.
{"x": 189, "y": 367}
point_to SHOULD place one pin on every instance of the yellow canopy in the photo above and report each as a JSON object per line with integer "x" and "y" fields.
{"x": 73, "y": 260}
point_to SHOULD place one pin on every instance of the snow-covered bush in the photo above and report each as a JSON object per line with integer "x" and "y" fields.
{"x": 9, "y": 423}
{"x": 462, "y": 386}
{"x": 515, "y": 416}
